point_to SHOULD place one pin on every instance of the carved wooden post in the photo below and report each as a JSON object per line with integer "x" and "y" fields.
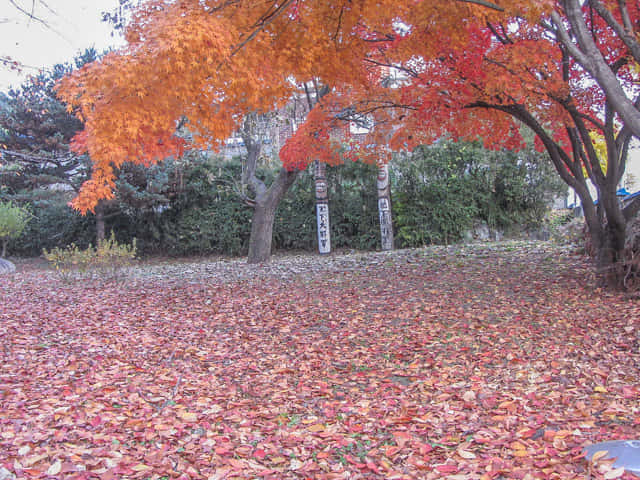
{"x": 322, "y": 208}
{"x": 384, "y": 208}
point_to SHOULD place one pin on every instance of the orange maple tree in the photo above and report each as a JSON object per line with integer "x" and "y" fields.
{"x": 469, "y": 69}
{"x": 210, "y": 62}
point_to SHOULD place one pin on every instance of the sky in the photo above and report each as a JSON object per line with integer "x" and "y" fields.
{"x": 73, "y": 25}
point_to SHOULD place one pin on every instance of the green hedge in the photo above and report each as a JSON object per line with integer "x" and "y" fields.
{"x": 438, "y": 192}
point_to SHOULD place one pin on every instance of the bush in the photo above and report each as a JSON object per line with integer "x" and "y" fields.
{"x": 440, "y": 190}
{"x": 438, "y": 194}
{"x": 353, "y": 215}
{"x": 13, "y": 221}
{"x": 108, "y": 260}
{"x": 53, "y": 224}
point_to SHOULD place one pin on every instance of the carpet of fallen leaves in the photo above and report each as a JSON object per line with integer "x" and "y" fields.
{"x": 489, "y": 362}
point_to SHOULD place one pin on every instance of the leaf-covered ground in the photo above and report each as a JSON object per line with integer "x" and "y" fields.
{"x": 491, "y": 362}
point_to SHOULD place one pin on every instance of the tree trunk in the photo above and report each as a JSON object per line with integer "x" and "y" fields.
{"x": 264, "y": 214}
{"x": 261, "y": 233}
{"x": 614, "y": 237}
{"x": 607, "y": 231}
{"x": 4, "y": 248}
{"x": 100, "y": 223}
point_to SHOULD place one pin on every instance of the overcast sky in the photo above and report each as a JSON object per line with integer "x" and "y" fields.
{"x": 73, "y": 26}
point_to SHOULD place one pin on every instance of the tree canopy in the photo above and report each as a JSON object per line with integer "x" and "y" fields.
{"x": 413, "y": 71}
{"x": 207, "y": 63}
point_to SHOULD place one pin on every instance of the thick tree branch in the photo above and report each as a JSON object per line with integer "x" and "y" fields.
{"x": 589, "y": 56}
{"x": 37, "y": 159}
{"x": 626, "y": 34}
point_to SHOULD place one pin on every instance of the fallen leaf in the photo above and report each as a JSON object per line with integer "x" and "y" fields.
{"x": 598, "y": 455}
{"x": 616, "y": 473}
{"x": 54, "y": 468}
{"x": 466, "y": 454}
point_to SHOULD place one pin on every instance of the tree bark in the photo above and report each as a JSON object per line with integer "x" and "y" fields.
{"x": 585, "y": 51}
{"x": 100, "y": 223}
{"x": 264, "y": 214}
{"x": 261, "y": 234}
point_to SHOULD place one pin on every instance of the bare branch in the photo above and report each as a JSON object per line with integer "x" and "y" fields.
{"x": 261, "y": 24}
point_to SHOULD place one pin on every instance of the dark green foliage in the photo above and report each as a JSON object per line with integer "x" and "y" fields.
{"x": 53, "y": 224}
{"x": 352, "y": 204}
{"x": 185, "y": 207}
{"x": 35, "y": 133}
{"x": 190, "y": 206}
{"x": 295, "y": 225}
{"x": 440, "y": 190}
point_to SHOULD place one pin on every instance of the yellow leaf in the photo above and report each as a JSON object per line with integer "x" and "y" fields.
{"x": 616, "y": 473}
{"x": 318, "y": 427}
{"x": 518, "y": 446}
{"x": 466, "y": 454}
{"x": 600, "y": 389}
{"x": 598, "y": 455}
{"x": 55, "y": 468}
{"x": 141, "y": 467}
{"x": 188, "y": 416}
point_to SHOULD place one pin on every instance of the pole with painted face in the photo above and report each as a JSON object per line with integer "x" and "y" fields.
{"x": 322, "y": 208}
{"x": 384, "y": 208}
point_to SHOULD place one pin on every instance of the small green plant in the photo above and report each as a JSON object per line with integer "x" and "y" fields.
{"x": 13, "y": 221}
{"x": 108, "y": 260}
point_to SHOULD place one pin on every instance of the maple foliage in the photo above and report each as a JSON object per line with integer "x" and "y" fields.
{"x": 211, "y": 62}
{"x": 465, "y": 69}
{"x": 338, "y": 373}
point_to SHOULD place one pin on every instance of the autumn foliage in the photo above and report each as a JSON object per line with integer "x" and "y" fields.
{"x": 321, "y": 370}
{"x": 414, "y": 72}
{"x": 202, "y": 65}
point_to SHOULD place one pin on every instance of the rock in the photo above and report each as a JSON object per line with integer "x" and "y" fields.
{"x": 6, "y": 474}
{"x": 482, "y": 232}
{"x": 6, "y": 267}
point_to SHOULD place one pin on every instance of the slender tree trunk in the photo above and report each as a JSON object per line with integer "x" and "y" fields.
{"x": 4, "y": 248}
{"x": 264, "y": 214}
{"x": 100, "y": 223}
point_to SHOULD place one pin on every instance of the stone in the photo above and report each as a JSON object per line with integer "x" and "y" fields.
{"x": 482, "y": 232}
{"x": 6, "y": 267}
{"x": 6, "y": 474}
{"x": 626, "y": 453}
